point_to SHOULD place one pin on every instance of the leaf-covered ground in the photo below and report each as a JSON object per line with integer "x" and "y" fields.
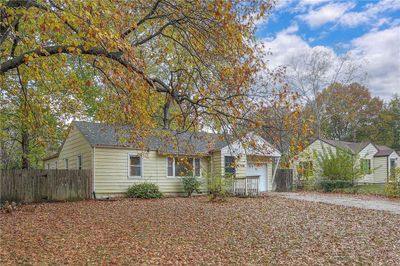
{"x": 267, "y": 230}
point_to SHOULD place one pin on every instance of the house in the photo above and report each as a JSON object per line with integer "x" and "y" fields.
{"x": 116, "y": 163}
{"x": 378, "y": 161}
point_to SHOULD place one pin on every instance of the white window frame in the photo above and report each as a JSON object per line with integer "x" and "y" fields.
{"x": 129, "y": 166}
{"x": 66, "y": 163}
{"x": 77, "y": 162}
{"x": 173, "y": 167}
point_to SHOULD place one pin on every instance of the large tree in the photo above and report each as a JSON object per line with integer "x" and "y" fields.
{"x": 346, "y": 109}
{"x": 186, "y": 64}
{"x": 384, "y": 127}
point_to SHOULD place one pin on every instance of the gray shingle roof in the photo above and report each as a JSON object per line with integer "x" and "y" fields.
{"x": 354, "y": 147}
{"x": 165, "y": 141}
{"x": 383, "y": 150}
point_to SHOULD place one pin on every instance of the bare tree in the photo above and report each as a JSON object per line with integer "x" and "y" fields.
{"x": 312, "y": 71}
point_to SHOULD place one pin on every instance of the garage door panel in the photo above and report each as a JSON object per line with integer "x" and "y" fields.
{"x": 259, "y": 170}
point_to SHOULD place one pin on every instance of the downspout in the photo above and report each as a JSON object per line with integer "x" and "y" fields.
{"x": 273, "y": 175}
{"x": 94, "y": 172}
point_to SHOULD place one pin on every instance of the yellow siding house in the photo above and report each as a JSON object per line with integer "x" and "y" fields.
{"x": 117, "y": 163}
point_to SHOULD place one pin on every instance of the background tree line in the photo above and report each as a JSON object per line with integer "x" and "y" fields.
{"x": 181, "y": 65}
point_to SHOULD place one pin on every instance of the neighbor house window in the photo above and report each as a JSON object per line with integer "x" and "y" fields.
{"x": 230, "y": 165}
{"x": 365, "y": 166}
{"x": 135, "y": 166}
{"x": 56, "y": 165}
{"x": 48, "y": 166}
{"x": 79, "y": 162}
{"x": 180, "y": 167}
{"x": 392, "y": 167}
{"x": 66, "y": 163}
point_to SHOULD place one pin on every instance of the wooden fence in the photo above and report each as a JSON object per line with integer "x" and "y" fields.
{"x": 45, "y": 185}
{"x": 284, "y": 180}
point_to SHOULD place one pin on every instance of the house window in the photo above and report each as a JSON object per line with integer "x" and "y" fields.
{"x": 365, "y": 166}
{"x": 79, "y": 162}
{"x": 180, "y": 167}
{"x": 48, "y": 166}
{"x": 183, "y": 167}
{"x": 197, "y": 167}
{"x": 305, "y": 169}
{"x": 66, "y": 163}
{"x": 230, "y": 165}
{"x": 170, "y": 166}
{"x": 392, "y": 167}
{"x": 56, "y": 166}
{"x": 135, "y": 166}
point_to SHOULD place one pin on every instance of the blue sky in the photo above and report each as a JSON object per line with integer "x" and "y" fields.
{"x": 368, "y": 31}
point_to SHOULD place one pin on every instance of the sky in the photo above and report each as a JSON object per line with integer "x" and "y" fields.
{"x": 367, "y": 31}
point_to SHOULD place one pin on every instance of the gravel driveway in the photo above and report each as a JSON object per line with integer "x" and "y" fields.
{"x": 348, "y": 201}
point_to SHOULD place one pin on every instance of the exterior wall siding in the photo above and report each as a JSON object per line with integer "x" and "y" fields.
{"x": 378, "y": 164}
{"x": 111, "y": 168}
{"x": 75, "y": 144}
{"x": 51, "y": 163}
{"x": 308, "y": 154}
{"x": 368, "y": 153}
{"x": 380, "y": 173}
{"x": 216, "y": 163}
{"x": 241, "y": 163}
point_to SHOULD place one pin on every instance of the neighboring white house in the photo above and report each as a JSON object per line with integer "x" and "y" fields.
{"x": 378, "y": 161}
{"x": 117, "y": 164}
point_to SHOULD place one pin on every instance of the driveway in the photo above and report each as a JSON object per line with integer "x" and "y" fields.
{"x": 371, "y": 203}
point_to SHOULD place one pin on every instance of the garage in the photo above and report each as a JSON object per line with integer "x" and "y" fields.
{"x": 261, "y": 171}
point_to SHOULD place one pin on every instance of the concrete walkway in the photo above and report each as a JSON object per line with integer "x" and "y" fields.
{"x": 347, "y": 200}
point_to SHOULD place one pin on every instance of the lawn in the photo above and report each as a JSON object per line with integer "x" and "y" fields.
{"x": 241, "y": 231}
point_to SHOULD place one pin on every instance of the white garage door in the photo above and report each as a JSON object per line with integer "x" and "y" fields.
{"x": 258, "y": 170}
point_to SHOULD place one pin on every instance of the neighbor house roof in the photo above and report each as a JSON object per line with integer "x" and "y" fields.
{"x": 166, "y": 141}
{"x": 383, "y": 151}
{"x": 354, "y": 147}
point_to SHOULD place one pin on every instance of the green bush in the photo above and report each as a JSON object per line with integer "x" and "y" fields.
{"x": 334, "y": 185}
{"x": 392, "y": 188}
{"x": 219, "y": 186}
{"x": 144, "y": 191}
{"x": 191, "y": 184}
{"x": 338, "y": 165}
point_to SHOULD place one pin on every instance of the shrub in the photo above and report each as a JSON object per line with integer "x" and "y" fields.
{"x": 219, "y": 186}
{"x": 334, "y": 185}
{"x": 144, "y": 191}
{"x": 338, "y": 165}
{"x": 392, "y": 188}
{"x": 191, "y": 184}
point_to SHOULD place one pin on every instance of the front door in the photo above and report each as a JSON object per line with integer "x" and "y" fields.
{"x": 261, "y": 171}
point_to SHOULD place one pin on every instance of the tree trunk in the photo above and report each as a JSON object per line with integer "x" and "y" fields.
{"x": 25, "y": 149}
{"x": 166, "y": 113}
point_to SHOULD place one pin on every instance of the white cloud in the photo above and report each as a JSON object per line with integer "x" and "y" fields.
{"x": 312, "y": 2}
{"x": 381, "y": 50}
{"x": 377, "y": 51}
{"x": 326, "y": 13}
{"x": 370, "y": 14}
